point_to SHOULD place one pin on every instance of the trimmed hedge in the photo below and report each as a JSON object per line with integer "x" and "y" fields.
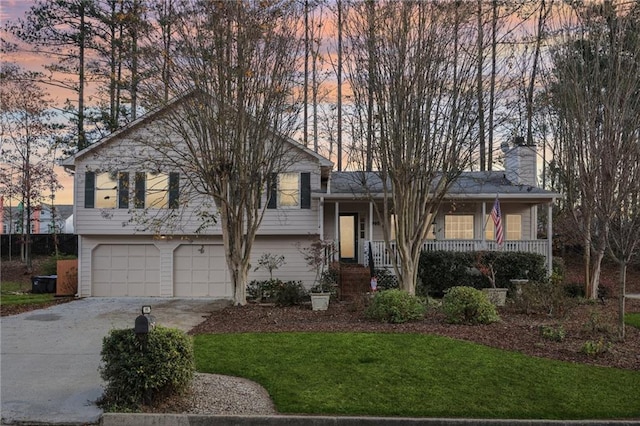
{"x": 440, "y": 270}
{"x": 467, "y": 305}
{"x": 395, "y": 306}
{"x": 144, "y": 370}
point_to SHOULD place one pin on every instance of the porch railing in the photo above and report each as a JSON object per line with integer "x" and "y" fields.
{"x": 382, "y": 257}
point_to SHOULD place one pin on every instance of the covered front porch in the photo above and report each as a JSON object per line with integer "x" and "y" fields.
{"x": 383, "y": 258}
{"x": 354, "y": 227}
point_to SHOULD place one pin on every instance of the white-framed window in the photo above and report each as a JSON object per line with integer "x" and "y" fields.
{"x": 430, "y": 232}
{"x": 458, "y": 227}
{"x": 106, "y": 190}
{"x": 490, "y": 228}
{"x": 288, "y": 190}
{"x": 157, "y": 191}
{"x": 513, "y": 227}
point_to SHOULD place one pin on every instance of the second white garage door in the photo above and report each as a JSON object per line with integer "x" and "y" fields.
{"x": 200, "y": 271}
{"x": 125, "y": 270}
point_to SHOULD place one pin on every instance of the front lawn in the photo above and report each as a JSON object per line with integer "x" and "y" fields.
{"x": 632, "y": 319}
{"x": 416, "y": 375}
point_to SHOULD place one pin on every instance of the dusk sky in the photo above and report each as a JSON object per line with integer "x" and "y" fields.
{"x": 10, "y": 10}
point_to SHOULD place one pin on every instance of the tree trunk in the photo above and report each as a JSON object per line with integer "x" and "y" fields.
{"x": 623, "y": 289}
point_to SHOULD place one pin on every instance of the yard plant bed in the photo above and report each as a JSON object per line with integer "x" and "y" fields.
{"x": 588, "y": 321}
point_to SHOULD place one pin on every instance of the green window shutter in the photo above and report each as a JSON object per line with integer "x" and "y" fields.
{"x": 174, "y": 190}
{"x": 89, "y": 190}
{"x": 123, "y": 190}
{"x": 273, "y": 191}
{"x": 139, "y": 190}
{"x": 305, "y": 190}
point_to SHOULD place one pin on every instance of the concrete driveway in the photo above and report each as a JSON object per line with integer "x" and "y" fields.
{"x": 49, "y": 358}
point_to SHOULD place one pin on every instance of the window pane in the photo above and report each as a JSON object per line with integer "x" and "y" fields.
{"x": 106, "y": 190}
{"x": 289, "y": 189}
{"x": 458, "y": 227}
{"x": 157, "y": 194}
{"x": 490, "y": 228}
{"x": 514, "y": 227}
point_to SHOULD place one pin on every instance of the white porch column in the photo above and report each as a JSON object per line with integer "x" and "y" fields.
{"x": 370, "y": 220}
{"x": 321, "y": 218}
{"x": 337, "y": 222}
{"x": 549, "y": 238}
{"x": 484, "y": 223}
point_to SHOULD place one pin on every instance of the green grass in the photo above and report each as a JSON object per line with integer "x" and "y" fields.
{"x": 417, "y": 376}
{"x": 632, "y": 319}
{"x": 13, "y": 294}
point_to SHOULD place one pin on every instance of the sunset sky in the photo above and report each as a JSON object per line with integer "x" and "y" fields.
{"x": 10, "y": 10}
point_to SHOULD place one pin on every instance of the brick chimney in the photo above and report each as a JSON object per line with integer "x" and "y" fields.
{"x": 520, "y": 163}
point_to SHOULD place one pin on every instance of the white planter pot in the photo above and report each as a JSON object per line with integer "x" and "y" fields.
{"x": 497, "y": 296}
{"x": 320, "y": 301}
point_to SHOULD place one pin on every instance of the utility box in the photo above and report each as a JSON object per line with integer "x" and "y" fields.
{"x": 43, "y": 284}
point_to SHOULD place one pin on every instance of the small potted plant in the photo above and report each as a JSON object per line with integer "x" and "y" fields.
{"x": 496, "y": 295}
{"x": 317, "y": 256}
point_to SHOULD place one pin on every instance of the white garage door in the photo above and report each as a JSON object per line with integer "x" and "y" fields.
{"x": 200, "y": 271}
{"x": 125, "y": 270}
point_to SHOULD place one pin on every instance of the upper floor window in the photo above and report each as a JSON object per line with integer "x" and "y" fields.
{"x": 111, "y": 190}
{"x": 106, "y": 190}
{"x": 290, "y": 190}
{"x": 458, "y": 227}
{"x": 157, "y": 191}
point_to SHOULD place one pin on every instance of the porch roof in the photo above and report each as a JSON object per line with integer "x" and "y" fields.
{"x": 469, "y": 185}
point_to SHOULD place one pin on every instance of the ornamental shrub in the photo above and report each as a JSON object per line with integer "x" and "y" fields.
{"x": 145, "y": 370}
{"x": 395, "y": 306}
{"x": 290, "y": 293}
{"x": 467, "y": 305}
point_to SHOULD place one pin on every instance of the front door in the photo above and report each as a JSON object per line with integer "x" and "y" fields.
{"x": 348, "y": 238}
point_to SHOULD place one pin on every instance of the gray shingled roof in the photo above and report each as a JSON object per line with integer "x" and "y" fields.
{"x": 494, "y": 182}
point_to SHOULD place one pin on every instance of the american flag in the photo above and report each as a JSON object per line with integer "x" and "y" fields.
{"x": 496, "y": 215}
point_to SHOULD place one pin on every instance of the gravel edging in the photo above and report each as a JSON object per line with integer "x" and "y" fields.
{"x": 222, "y": 395}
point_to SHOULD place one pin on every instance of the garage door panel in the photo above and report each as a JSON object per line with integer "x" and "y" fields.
{"x": 198, "y": 271}
{"x": 125, "y": 270}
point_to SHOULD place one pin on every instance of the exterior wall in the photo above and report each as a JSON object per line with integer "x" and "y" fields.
{"x": 120, "y": 221}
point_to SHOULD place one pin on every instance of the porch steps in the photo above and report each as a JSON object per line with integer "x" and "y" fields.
{"x": 355, "y": 280}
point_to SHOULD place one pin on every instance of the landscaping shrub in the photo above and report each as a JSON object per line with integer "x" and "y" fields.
{"x": 467, "y": 305}
{"x": 557, "y": 334}
{"x": 546, "y": 297}
{"x": 441, "y": 270}
{"x": 264, "y": 290}
{"x": 141, "y": 370}
{"x": 596, "y": 348}
{"x": 290, "y": 293}
{"x": 395, "y": 306}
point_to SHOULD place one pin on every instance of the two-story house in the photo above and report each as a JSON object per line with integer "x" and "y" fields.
{"x": 117, "y": 258}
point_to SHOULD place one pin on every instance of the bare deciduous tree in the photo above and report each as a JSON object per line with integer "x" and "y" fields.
{"x": 594, "y": 89}
{"x": 27, "y": 130}
{"x": 237, "y": 62}
{"x": 422, "y": 77}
